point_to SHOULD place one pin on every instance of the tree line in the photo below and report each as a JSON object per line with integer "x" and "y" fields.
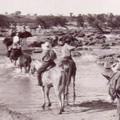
{"x": 99, "y": 21}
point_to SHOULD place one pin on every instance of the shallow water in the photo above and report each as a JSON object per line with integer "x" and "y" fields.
{"x": 19, "y": 91}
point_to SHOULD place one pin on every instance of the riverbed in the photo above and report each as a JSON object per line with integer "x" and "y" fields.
{"x": 20, "y": 93}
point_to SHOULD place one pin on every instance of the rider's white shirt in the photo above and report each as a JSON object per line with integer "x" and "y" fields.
{"x": 15, "y": 39}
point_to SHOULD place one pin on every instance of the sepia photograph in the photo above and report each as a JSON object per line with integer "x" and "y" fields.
{"x": 59, "y": 60}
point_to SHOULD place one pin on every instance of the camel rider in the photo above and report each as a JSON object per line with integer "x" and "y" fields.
{"x": 66, "y": 53}
{"x": 47, "y": 58}
{"x": 15, "y": 45}
{"x": 16, "y": 38}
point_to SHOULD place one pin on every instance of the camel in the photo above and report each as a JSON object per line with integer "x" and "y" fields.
{"x": 114, "y": 89}
{"x": 59, "y": 81}
{"x": 24, "y": 59}
{"x": 70, "y": 69}
{"x": 51, "y": 79}
{"x": 114, "y": 85}
{"x": 15, "y": 54}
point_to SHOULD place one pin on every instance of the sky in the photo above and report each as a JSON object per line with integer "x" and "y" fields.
{"x": 60, "y": 7}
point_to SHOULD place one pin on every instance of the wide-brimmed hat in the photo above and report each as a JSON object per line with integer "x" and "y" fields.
{"x": 46, "y": 46}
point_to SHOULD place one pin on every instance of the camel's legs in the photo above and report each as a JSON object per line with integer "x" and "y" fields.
{"x": 21, "y": 68}
{"x": 62, "y": 100}
{"x": 25, "y": 67}
{"x": 67, "y": 88}
{"x": 15, "y": 62}
{"x": 60, "y": 96}
{"x": 44, "y": 102}
{"x": 74, "y": 94}
{"x": 47, "y": 94}
{"x": 59, "y": 99}
{"x": 28, "y": 68}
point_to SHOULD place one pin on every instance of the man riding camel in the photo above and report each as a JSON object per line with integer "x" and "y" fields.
{"x": 66, "y": 54}
{"x": 47, "y": 58}
{"x": 16, "y": 43}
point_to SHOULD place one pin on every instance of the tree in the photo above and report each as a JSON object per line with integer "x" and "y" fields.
{"x": 42, "y": 23}
{"x": 18, "y": 13}
{"x": 101, "y": 17}
{"x": 80, "y": 21}
{"x": 4, "y": 21}
{"x": 71, "y": 14}
{"x": 90, "y": 19}
{"x": 59, "y": 21}
{"x": 118, "y": 21}
{"x": 113, "y": 21}
{"x": 6, "y": 13}
{"x": 95, "y": 22}
{"x": 47, "y": 22}
{"x": 35, "y": 14}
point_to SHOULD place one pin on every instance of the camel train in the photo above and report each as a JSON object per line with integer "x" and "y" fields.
{"x": 60, "y": 82}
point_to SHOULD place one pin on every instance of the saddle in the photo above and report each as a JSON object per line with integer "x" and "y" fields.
{"x": 50, "y": 67}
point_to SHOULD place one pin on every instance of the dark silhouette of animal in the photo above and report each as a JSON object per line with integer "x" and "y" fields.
{"x": 15, "y": 54}
{"x": 51, "y": 79}
{"x": 8, "y": 41}
{"x": 25, "y": 61}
